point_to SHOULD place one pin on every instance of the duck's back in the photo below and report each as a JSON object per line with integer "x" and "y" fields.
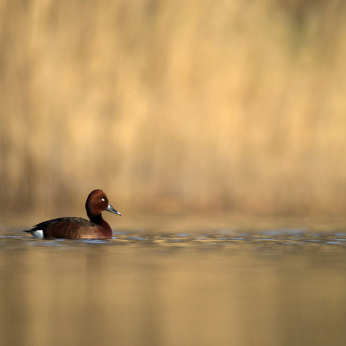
{"x": 67, "y": 228}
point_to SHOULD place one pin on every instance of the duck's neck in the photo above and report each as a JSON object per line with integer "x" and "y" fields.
{"x": 98, "y": 220}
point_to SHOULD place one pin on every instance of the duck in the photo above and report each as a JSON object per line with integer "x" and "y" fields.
{"x": 76, "y": 227}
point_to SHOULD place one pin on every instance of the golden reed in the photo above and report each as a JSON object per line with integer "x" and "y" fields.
{"x": 174, "y": 105}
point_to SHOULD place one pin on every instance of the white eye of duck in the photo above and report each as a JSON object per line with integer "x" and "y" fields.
{"x": 102, "y": 199}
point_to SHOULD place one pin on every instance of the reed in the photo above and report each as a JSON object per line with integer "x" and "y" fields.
{"x": 173, "y": 106}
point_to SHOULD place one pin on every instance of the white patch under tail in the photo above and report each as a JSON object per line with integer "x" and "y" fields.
{"x": 37, "y": 234}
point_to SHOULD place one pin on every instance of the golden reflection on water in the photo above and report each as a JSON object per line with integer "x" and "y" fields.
{"x": 174, "y": 289}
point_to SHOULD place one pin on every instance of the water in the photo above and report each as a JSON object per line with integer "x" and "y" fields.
{"x": 217, "y": 287}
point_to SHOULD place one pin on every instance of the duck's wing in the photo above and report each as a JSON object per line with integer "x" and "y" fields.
{"x": 64, "y": 220}
{"x": 64, "y": 227}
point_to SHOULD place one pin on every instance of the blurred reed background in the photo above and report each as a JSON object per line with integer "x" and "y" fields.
{"x": 173, "y": 106}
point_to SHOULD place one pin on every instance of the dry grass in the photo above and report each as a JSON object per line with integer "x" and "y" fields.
{"x": 173, "y": 105}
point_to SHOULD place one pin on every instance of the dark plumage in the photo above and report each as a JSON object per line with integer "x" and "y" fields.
{"x": 77, "y": 227}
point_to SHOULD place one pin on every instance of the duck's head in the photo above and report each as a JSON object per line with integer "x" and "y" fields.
{"x": 97, "y": 202}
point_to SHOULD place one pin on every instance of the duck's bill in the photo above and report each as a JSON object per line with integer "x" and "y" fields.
{"x": 112, "y": 210}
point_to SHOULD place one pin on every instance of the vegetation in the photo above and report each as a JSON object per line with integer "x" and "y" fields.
{"x": 174, "y": 105}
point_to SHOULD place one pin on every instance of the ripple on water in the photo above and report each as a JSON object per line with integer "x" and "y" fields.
{"x": 184, "y": 235}
{"x": 296, "y": 232}
{"x": 213, "y": 239}
{"x": 120, "y": 232}
{"x": 134, "y": 238}
{"x": 340, "y": 234}
{"x": 10, "y": 236}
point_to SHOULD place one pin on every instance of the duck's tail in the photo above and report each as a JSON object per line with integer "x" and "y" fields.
{"x": 36, "y": 233}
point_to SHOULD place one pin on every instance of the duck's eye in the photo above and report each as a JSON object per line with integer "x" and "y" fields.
{"x": 102, "y": 199}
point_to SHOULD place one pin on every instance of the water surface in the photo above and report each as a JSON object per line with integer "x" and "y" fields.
{"x": 215, "y": 287}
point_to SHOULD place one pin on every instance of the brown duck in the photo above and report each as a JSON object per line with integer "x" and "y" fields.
{"x": 77, "y": 227}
